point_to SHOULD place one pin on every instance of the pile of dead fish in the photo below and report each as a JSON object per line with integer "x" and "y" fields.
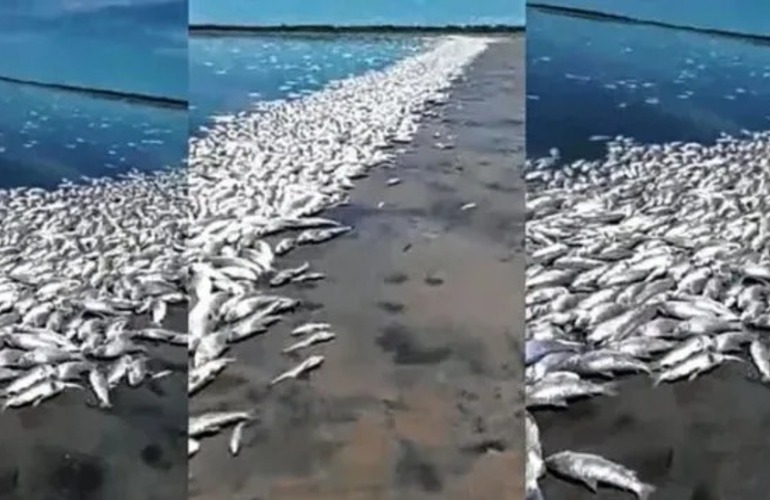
{"x": 653, "y": 260}
{"x": 258, "y": 183}
{"x": 78, "y": 266}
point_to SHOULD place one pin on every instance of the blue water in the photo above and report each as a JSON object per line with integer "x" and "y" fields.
{"x": 135, "y": 46}
{"x": 744, "y": 16}
{"x": 138, "y": 46}
{"x": 591, "y": 78}
{"x": 228, "y": 74}
{"x": 357, "y": 12}
{"x": 46, "y": 136}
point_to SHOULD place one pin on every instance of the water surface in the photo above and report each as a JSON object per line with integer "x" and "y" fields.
{"x": 47, "y": 135}
{"x": 589, "y": 79}
{"x": 746, "y": 16}
{"x": 228, "y": 74}
{"x": 138, "y": 47}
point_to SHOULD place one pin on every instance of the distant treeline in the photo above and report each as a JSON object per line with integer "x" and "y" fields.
{"x": 217, "y": 29}
{"x": 150, "y": 100}
{"x": 604, "y": 16}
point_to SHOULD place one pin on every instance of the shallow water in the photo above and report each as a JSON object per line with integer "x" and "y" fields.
{"x": 227, "y": 74}
{"x": 48, "y": 135}
{"x": 590, "y": 78}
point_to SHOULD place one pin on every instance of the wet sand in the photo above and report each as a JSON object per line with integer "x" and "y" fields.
{"x": 68, "y": 449}
{"x": 704, "y": 440}
{"x": 417, "y": 397}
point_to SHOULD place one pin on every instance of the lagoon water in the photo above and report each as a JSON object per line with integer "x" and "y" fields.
{"x": 589, "y": 78}
{"x": 46, "y": 136}
{"x": 228, "y": 74}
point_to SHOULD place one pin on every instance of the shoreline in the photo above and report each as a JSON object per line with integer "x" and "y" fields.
{"x": 115, "y": 95}
{"x": 213, "y": 30}
{"x": 616, "y": 18}
{"x": 413, "y": 400}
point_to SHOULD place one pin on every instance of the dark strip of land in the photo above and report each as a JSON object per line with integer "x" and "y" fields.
{"x": 225, "y": 30}
{"x": 149, "y": 100}
{"x": 604, "y": 16}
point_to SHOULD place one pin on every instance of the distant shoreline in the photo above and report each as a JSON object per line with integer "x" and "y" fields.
{"x": 603, "y": 16}
{"x": 328, "y": 29}
{"x": 149, "y": 100}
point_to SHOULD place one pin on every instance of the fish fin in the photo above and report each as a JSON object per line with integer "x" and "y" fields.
{"x": 591, "y": 484}
{"x": 645, "y": 491}
{"x": 657, "y": 380}
{"x": 693, "y": 376}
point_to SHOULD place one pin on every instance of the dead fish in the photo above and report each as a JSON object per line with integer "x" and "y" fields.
{"x": 213, "y": 421}
{"x": 314, "y": 338}
{"x": 760, "y": 355}
{"x": 314, "y": 236}
{"x": 101, "y": 388}
{"x": 311, "y": 363}
{"x": 592, "y": 470}
{"x": 236, "y": 437}
{"x": 310, "y": 328}
{"x": 694, "y": 366}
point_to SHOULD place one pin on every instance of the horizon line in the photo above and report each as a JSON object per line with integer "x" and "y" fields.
{"x": 117, "y": 95}
{"x": 202, "y": 29}
{"x": 598, "y": 15}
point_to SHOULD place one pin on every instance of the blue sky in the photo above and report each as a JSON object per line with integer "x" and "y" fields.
{"x": 746, "y": 16}
{"x": 404, "y": 12}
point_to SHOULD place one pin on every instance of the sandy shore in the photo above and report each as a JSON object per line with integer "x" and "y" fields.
{"x": 704, "y": 440}
{"x": 415, "y": 399}
{"x": 67, "y": 449}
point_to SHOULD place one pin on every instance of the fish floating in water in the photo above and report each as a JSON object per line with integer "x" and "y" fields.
{"x": 653, "y": 260}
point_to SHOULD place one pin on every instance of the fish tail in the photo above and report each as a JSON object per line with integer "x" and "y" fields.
{"x": 534, "y": 494}
{"x": 645, "y": 491}
{"x": 610, "y": 389}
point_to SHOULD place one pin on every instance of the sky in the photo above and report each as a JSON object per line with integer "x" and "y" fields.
{"x": 745, "y": 16}
{"x": 356, "y": 12}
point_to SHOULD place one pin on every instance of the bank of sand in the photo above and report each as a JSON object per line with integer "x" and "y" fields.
{"x": 68, "y": 449}
{"x": 702, "y": 440}
{"x": 417, "y": 398}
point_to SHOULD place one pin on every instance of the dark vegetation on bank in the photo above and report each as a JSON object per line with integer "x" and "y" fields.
{"x": 603, "y": 16}
{"x": 149, "y": 100}
{"x": 320, "y": 29}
